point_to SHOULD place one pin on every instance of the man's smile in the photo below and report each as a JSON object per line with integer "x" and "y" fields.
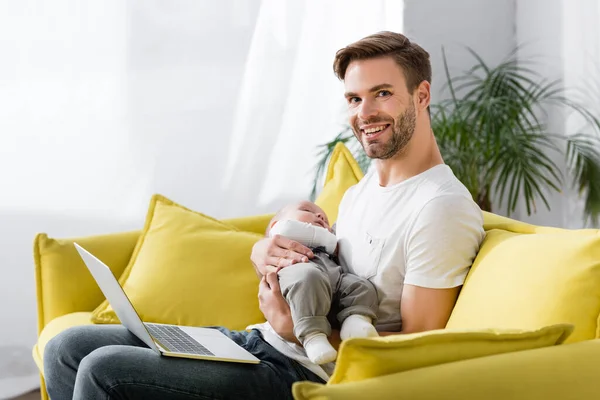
{"x": 372, "y": 132}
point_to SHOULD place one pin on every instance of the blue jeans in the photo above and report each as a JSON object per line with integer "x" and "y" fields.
{"x": 108, "y": 362}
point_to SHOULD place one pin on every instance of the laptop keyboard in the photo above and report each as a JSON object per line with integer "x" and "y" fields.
{"x": 175, "y": 340}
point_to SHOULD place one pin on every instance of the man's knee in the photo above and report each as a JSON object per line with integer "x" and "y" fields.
{"x": 99, "y": 362}
{"x": 63, "y": 345}
{"x": 120, "y": 360}
{"x": 97, "y": 371}
{"x": 60, "y": 354}
{"x": 109, "y": 369}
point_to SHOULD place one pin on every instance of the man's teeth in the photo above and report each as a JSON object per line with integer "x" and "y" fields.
{"x": 376, "y": 129}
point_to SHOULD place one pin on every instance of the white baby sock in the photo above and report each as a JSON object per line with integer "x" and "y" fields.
{"x": 357, "y": 326}
{"x": 318, "y": 349}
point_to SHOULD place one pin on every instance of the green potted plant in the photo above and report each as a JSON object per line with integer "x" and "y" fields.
{"x": 492, "y": 133}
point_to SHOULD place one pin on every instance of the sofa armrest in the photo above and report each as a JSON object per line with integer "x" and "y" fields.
{"x": 63, "y": 283}
{"x": 558, "y": 372}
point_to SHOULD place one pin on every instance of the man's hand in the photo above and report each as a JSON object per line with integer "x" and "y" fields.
{"x": 270, "y": 254}
{"x": 274, "y": 307}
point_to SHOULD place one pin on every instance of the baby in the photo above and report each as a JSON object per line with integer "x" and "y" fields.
{"x": 311, "y": 288}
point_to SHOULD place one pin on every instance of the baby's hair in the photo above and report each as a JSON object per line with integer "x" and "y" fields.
{"x": 276, "y": 218}
{"x": 281, "y": 213}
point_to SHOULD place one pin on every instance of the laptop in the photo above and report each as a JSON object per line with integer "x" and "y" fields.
{"x": 166, "y": 340}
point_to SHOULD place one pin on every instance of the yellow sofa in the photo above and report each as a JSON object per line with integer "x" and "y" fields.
{"x": 524, "y": 278}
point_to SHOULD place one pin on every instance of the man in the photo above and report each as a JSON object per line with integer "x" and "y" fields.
{"x": 409, "y": 226}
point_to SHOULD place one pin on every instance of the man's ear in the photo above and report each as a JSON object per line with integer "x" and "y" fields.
{"x": 423, "y": 95}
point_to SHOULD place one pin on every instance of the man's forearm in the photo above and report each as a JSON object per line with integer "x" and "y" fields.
{"x": 284, "y": 326}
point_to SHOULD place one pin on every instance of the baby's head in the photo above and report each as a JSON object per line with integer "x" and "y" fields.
{"x": 304, "y": 211}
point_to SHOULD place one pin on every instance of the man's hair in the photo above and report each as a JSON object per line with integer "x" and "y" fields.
{"x": 412, "y": 59}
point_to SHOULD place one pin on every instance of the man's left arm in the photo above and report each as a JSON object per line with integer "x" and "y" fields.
{"x": 425, "y": 309}
{"x": 440, "y": 249}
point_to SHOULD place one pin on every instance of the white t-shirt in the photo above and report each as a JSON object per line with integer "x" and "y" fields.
{"x": 424, "y": 231}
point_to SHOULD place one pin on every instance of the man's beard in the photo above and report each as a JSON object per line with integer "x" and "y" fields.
{"x": 402, "y": 132}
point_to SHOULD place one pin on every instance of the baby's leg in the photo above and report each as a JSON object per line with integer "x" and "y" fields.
{"x": 359, "y": 304}
{"x": 307, "y": 289}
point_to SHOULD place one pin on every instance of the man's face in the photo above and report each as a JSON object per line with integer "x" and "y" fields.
{"x": 381, "y": 111}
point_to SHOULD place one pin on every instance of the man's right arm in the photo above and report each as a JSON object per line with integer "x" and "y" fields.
{"x": 268, "y": 256}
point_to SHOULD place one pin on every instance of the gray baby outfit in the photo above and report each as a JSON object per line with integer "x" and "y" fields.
{"x": 319, "y": 292}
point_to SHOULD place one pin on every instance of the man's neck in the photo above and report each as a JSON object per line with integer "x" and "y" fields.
{"x": 421, "y": 154}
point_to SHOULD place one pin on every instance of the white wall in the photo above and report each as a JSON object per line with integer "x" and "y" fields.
{"x": 580, "y": 54}
{"x": 539, "y": 33}
{"x": 562, "y": 36}
{"x": 487, "y": 26}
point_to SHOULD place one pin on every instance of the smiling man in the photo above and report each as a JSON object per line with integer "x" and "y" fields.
{"x": 409, "y": 226}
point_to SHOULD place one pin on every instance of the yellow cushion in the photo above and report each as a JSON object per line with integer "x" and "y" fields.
{"x": 189, "y": 269}
{"x": 256, "y": 224}
{"x": 367, "y": 358}
{"x": 342, "y": 172}
{"x": 566, "y": 372}
{"x": 211, "y": 258}
{"x": 493, "y": 221}
{"x": 56, "y": 326}
{"x": 64, "y": 285}
{"x": 526, "y": 281}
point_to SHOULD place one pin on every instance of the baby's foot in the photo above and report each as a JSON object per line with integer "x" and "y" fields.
{"x": 318, "y": 349}
{"x": 357, "y": 326}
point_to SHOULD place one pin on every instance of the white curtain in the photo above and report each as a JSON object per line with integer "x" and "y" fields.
{"x": 102, "y": 104}
{"x": 290, "y": 100}
{"x": 216, "y": 104}
{"x": 63, "y": 137}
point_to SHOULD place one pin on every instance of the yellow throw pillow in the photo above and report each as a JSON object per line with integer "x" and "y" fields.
{"x": 361, "y": 358}
{"x": 189, "y": 269}
{"x": 257, "y": 224}
{"x": 342, "y": 172}
{"x": 493, "y": 221}
{"x": 525, "y": 281}
{"x": 549, "y": 373}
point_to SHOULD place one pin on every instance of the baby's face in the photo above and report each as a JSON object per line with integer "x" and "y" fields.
{"x": 308, "y": 212}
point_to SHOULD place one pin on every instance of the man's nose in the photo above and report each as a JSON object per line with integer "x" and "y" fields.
{"x": 367, "y": 110}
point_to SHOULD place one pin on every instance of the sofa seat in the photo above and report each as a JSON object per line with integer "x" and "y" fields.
{"x": 56, "y": 326}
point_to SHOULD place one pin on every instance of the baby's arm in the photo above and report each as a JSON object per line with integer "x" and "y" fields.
{"x": 309, "y": 235}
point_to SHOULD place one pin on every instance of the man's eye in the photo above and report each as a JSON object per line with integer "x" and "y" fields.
{"x": 353, "y": 100}
{"x": 383, "y": 93}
